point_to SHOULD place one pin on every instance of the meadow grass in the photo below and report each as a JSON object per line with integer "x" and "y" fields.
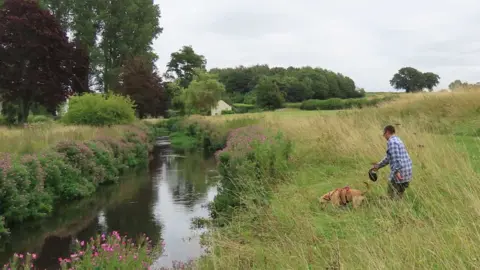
{"x": 38, "y": 137}
{"x": 436, "y": 226}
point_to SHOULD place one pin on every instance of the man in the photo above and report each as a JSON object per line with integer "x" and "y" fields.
{"x": 400, "y": 164}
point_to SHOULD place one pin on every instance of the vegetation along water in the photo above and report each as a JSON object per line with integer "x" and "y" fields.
{"x": 107, "y": 164}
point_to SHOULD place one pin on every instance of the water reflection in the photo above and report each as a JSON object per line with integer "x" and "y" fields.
{"x": 160, "y": 204}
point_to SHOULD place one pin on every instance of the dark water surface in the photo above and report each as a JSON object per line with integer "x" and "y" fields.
{"x": 160, "y": 203}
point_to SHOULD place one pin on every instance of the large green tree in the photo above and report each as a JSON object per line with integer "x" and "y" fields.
{"x": 203, "y": 93}
{"x": 110, "y": 31}
{"x": 413, "y": 80}
{"x": 268, "y": 94}
{"x": 183, "y": 65}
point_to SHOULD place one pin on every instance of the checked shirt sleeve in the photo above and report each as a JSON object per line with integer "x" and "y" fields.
{"x": 396, "y": 154}
{"x": 384, "y": 161}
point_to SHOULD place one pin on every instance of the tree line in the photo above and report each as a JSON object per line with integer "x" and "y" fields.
{"x": 53, "y": 49}
{"x": 267, "y": 87}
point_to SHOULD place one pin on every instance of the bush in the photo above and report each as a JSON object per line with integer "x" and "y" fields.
{"x": 99, "y": 110}
{"x": 295, "y": 105}
{"x": 22, "y": 192}
{"x": 253, "y": 161}
{"x": 243, "y": 108}
{"x": 39, "y": 119}
{"x": 342, "y": 104}
{"x": 228, "y": 112}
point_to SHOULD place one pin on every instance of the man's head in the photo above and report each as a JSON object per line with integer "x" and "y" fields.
{"x": 388, "y": 131}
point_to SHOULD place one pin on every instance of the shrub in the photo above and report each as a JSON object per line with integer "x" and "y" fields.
{"x": 341, "y": 104}
{"x": 253, "y": 161}
{"x": 22, "y": 192}
{"x": 39, "y": 119}
{"x": 243, "y": 108}
{"x": 228, "y": 112}
{"x": 62, "y": 180}
{"x": 295, "y": 105}
{"x": 99, "y": 110}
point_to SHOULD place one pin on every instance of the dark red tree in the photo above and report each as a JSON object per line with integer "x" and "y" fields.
{"x": 35, "y": 55}
{"x": 141, "y": 83}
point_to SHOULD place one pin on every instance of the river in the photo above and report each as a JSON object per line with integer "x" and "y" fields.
{"x": 160, "y": 203}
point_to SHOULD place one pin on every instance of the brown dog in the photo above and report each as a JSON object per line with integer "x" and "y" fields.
{"x": 342, "y": 196}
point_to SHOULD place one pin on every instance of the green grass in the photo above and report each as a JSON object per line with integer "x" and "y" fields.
{"x": 435, "y": 226}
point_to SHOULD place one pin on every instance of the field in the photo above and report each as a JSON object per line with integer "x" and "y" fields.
{"x": 435, "y": 227}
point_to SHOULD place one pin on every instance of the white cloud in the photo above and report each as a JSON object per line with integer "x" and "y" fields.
{"x": 367, "y": 40}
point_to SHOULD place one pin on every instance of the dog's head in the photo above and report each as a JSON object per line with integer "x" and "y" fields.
{"x": 325, "y": 198}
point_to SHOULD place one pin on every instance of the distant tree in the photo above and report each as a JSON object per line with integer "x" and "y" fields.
{"x": 174, "y": 96}
{"x": 35, "y": 55}
{"x": 183, "y": 64}
{"x": 269, "y": 95}
{"x": 203, "y": 93}
{"x": 144, "y": 86}
{"x": 412, "y": 80}
{"x": 457, "y": 84}
{"x": 431, "y": 80}
{"x": 297, "y": 84}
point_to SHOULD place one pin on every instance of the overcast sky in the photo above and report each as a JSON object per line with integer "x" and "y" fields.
{"x": 367, "y": 40}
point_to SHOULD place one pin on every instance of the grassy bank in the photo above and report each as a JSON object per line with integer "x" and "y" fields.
{"x": 435, "y": 227}
{"x": 47, "y": 164}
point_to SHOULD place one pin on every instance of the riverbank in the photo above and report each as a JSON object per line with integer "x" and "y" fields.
{"x": 56, "y": 164}
{"x": 434, "y": 227}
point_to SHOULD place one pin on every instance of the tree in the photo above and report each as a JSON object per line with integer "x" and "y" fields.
{"x": 457, "y": 84}
{"x": 269, "y": 95}
{"x": 36, "y": 57}
{"x": 80, "y": 68}
{"x": 298, "y": 84}
{"x": 203, "y": 93}
{"x": 431, "y": 80}
{"x": 128, "y": 30}
{"x": 412, "y": 80}
{"x": 142, "y": 84}
{"x": 183, "y": 64}
{"x": 110, "y": 31}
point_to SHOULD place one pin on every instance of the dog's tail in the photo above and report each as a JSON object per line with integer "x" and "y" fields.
{"x": 368, "y": 187}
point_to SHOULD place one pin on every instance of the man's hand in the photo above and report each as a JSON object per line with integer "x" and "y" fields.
{"x": 375, "y": 166}
{"x": 399, "y": 176}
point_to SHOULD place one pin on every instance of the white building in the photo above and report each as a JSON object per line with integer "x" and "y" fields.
{"x": 221, "y": 106}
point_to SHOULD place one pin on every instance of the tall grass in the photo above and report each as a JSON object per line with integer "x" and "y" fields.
{"x": 35, "y": 138}
{"x": 436, "y": 226}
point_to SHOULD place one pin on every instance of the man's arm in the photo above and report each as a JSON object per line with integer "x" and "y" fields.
{"x": 384, "y": 162}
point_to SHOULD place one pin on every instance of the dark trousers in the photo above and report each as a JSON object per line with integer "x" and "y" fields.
{"x": 395, "y": 190}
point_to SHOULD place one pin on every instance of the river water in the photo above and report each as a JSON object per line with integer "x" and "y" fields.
{"x": 160, "y": 203}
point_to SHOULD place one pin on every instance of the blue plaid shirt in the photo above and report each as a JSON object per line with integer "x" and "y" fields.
{"x": 399, "y": 160}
